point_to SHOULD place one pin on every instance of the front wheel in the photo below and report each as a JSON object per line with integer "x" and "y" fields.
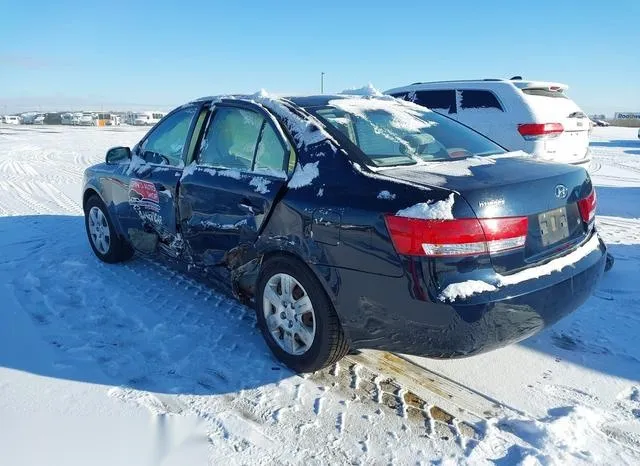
{"x": 296, "y": 317}
{"x": 103, "y": 238}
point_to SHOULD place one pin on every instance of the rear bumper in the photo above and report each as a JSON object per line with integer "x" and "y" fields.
{"x": 584, "y": 163}
{"x": 538, "y": 149}
{"x": 389, "y": 316}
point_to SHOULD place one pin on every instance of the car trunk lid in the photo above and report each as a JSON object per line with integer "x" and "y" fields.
{"x": 515, "y": 186}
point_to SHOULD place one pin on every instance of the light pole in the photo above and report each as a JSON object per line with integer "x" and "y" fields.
{"x": 322, "y": 82}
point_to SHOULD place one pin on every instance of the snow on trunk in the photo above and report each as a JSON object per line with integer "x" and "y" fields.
{"x": 439, "y": 210}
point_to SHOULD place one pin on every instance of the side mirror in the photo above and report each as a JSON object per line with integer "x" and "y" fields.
{"x": 118, "y": 154}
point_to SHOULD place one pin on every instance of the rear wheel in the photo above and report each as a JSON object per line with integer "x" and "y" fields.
{"x": 296, "y": 317}
{"x": 103, "y": 238}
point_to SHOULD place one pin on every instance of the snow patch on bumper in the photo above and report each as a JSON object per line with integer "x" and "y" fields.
{"x": 470, "y": 287}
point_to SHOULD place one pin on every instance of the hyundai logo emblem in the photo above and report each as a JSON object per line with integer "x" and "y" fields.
{"x": 561, "y": 191}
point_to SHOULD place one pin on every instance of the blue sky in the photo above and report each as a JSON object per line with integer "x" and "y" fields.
{"x": 163, "y": 53}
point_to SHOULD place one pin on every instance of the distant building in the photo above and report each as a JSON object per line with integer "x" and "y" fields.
{"x": 627, "y": 116}
{"x": 629, "y": 119}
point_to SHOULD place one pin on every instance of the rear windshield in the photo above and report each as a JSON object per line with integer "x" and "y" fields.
{"x": 545, "y": 93}
{"x": 392, "y": 132}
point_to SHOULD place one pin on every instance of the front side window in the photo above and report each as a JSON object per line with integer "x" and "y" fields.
{"x": 390, "y": 132}
{"x": 473, "y": 99}
{"x": 166, "y": 142}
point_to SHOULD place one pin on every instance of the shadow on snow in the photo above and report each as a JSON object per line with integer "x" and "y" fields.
{"x": 603, "y": 333}
{"x": 618, "y": 201}
{"x": 138, "y": 324}
{"x": 616, "y": 143}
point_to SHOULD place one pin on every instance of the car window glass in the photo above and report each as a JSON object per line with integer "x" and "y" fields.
{"x": 369, "y": 138}
{"x": 394, "y": 134}
{"x": 166, "y": 142}
{"x": 478, "y": 99}
{"x": 271, "y": 152}
{"x": 342, "y": 123}
{"x": 231, "y": 139}
{"x": 545, "y": 93}
{"x": 435, "y": 100}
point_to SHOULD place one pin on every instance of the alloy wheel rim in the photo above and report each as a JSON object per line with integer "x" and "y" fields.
{"x": 289, "y": 314}
{"x": 99, "y": 230}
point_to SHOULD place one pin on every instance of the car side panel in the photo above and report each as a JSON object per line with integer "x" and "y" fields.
{"x": 221, "y": 214}
{"x": 112, "y": 183}
{"x": 335, "y": 225}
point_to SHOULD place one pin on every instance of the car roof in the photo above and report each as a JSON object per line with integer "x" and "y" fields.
{"x": 304, "y": 101}
{"x": 519, "y": 83}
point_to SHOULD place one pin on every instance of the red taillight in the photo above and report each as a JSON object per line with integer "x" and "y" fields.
{"x": 587, "y": 207}
{"x": 460, "y": 237}
{"x": 532, "y": 131}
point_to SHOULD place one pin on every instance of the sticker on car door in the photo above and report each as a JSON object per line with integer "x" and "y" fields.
{"x": 144, "y": 194}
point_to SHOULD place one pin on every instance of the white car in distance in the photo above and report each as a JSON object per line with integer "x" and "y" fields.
{"x": 533, "y": 116}
{"x": 10, "y": 120}
{"x": 86, "y": 119}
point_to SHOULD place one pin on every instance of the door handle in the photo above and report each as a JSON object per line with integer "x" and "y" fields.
{"x": 246, "y": 205}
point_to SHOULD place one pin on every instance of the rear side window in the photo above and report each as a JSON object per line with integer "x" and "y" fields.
{"x": 473, "y": 99}
{"x": 271, "y": 153}
{"x": 244, "y": 140}
{"x": 435, "y": 100}
{"x": 232, "y": 139}
{"x": 545, "y": 93}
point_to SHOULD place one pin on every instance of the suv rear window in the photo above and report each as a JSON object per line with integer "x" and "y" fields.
{"x": 545, "y": 93}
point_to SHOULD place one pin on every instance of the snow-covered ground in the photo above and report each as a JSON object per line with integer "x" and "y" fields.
{"x": 134, "y": 364}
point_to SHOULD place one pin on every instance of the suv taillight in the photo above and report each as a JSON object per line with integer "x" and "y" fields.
{"x": 534, "y": 131}
{"x": 587, "y": 207}
{"x": 459, "y": 237}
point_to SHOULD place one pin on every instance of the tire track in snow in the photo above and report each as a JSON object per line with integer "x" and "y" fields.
{"x": 17, "y": 168}
{"x": 61, "y": 199}
{"x": 20, "y": 192}
{"x": 147, "y": 338}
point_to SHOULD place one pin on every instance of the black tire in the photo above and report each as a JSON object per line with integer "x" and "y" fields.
{"x": 609, "y": 262}
{"x": 329, "y": 344}
{"x": 119, "y": 250}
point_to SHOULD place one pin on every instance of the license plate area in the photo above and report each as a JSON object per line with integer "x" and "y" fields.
{"x": 554, "y": 226}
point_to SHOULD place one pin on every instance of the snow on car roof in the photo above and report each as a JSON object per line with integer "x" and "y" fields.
{"x": 403, "y": 117}
{"x": 519, "y": 83}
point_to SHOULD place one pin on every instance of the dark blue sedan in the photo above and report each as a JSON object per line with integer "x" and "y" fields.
{"x": 353, "y": 222}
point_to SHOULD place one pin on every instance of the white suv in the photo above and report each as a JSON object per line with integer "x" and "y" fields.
{"x": 10, "y": 120}
{"x": 533, "y": 116}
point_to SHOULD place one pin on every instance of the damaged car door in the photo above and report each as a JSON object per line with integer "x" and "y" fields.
{"x": 227, "y": 193}
{"x": 155, "y": 171}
